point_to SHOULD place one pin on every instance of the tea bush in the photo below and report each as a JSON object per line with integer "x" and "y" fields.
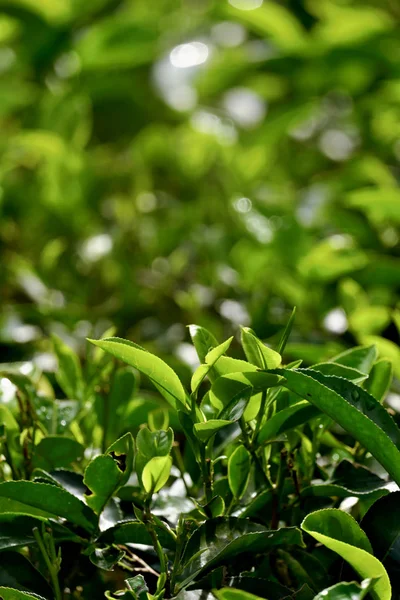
{"x": 259, "y": 479}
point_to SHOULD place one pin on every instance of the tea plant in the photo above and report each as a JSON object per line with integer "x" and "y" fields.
{"x": 263, "y": 480}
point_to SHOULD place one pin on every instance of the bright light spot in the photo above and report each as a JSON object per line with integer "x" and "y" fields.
{"x": 67, "y": 65}
{"x": 181, "y": 98}
{"x": 189, "y": 55}
{"x": 260, "y": 227}
{"x": 228, "y": 34}
{"x": 25, "y": 333}
{"x": 336, "y": 145}
{"x": 242, "y": 205}
{"x": 7, "y": 390}
{"x": 146, "y": 202}
{"x": 390, "y": 237}
{"x": 245, "y": 107}
{"x": 348, "y": 503}
{"x": 228, "y": 275}
{"x": 45, "y": 361}
{"x": 7, "y": 58}
{"x": 188, "y": 355}
{"x": 393, "y": 401}
{"x": 340, "y": 241}
{"x": 234, "y": 312}
{"x": 96, "y": 247}
{"x": 206, "y": 122}
{"x": 246, "y": 4}
{"x": 336, "y": 321}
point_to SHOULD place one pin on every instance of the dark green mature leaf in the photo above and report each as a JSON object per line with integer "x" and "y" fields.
{"x": 364, "y": 402}
{"x": 122, "y": 452}
{"x": 239, "y": 466}
{"x": 287, "y": 419}
{"x": 45, "y": 500}
{"x": 16, "y": 571}
{"x": 7, "y": 593}
{"x": 382, "y": 526}
{"x": 348, "y": 410}
{"x": 134, "y": 532}
{"x": 218, "y": 541}
{"x": 347, "y": 591}
{"x": 258, "y": 353}
{"x": 360, "y": 358}
{"x": 286, "y": 332}
{"x": 340, "y": 532}
{"x": 236, "y": 385}
{"x": 331, "y": 368}
{"x": 106, "y": 558}
{"x": 348, "y": 480}
{"x": 233, "y": 594}
{"x": 16, "y": 531}
{"x": 56, "y": 451}
{"x": 69, "y": 374}
{"x": 380, "y": 379}
{"x": 138, "y": 585}
{"x": 102, "y": 477}
{"x": 163, "y": 377}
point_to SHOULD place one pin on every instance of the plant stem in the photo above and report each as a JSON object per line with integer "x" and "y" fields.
{"x": 148, "y": 522}
{"x": 50, "y": 566}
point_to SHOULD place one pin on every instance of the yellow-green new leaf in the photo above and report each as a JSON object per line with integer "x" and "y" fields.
{"x": 163, "y": 377}
{"x": 156, "y": 473}
{"x": 258, "y": 353}
{"x": 210, "y": 360}
{"x": 339, "y": 532}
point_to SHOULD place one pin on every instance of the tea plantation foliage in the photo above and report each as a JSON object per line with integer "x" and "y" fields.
{"x": 210, "y": 162}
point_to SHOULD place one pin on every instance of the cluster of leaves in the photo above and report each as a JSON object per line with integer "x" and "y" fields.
{"x": 275, "y": 481}
{"x": 119, "y": 163}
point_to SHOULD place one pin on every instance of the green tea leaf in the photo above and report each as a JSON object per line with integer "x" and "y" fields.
{"x": 236, "y": 385}
{"x": 218, "y": 541}
{"x": 348, "y": 480}
{"x": 203, "y": 341}
{"x": 340, "y": 533}
{"x": 239, "y": 466}
{"x": 330, "y": 368}
{"x": 69, "y": 373}
{"x": 163, "y": 377}
{"x": 205, "y": 431}
{"x": 382, "y": 526}
{"x": 42, "y": 499}
{"x": 156, "y": 473}
{"x": 102, "y": 477}
{"x": 287, "y": 419}
{"x": 257, "y": 353}
{"x": 16, "y": 530}
{"x": 348, "y": 410}
{"x": 380, "y": 379}
{"x": 233, "y": 594}
{"x": 210, "y": 360}
{"x": 360, "y": 358}
{"x": 347, "y": 591}
{"x": 7, "y": 593}
{"x": 134, "y": 532}
{"x": 56, "y": 451}
{"x": 17, "y": 571}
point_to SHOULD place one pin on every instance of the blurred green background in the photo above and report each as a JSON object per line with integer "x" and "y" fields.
{"x": 184, "y": 161}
